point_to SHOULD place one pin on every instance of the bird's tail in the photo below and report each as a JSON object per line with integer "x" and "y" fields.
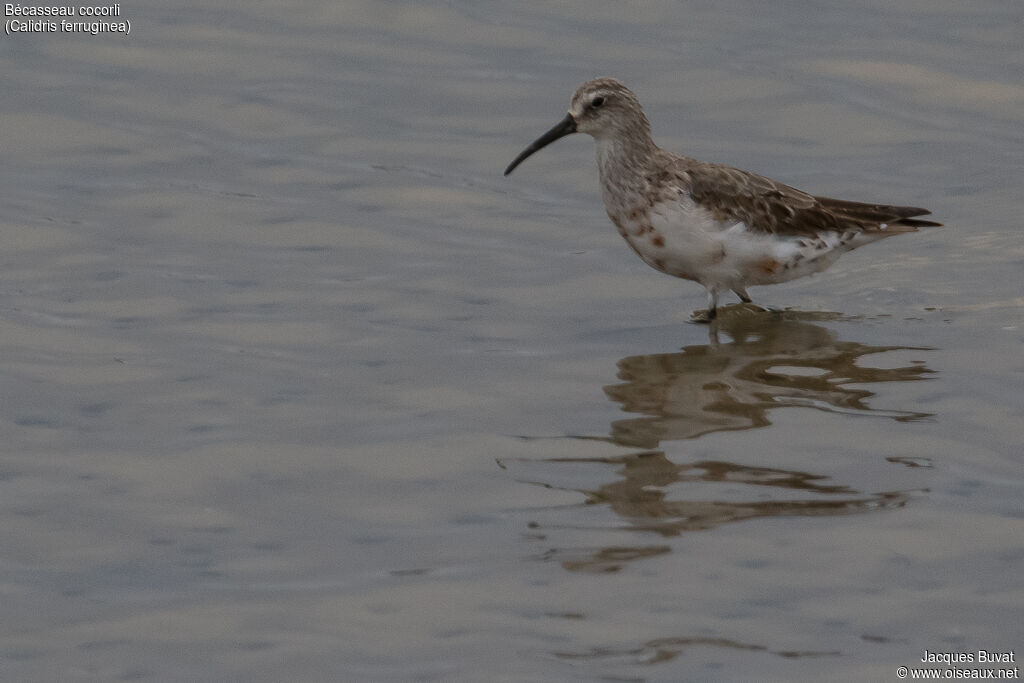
{"x": 891, "y": 216}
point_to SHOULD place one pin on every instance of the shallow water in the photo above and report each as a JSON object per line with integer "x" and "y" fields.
{"x": 298, "y": 387}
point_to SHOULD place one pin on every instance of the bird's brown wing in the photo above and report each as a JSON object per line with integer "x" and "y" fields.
{"x": 879, "y": 213}
{"x": 766, "y": 205}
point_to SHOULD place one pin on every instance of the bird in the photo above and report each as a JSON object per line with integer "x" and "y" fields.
{"x": 723, "y": 227}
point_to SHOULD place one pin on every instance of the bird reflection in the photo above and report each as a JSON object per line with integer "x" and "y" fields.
{"x": 773, "y": 361}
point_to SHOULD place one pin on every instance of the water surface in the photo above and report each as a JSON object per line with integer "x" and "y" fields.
{"x": 298, "y": 387}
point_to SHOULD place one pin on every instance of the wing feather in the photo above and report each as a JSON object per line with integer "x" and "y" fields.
{"x": 766, "y": 205}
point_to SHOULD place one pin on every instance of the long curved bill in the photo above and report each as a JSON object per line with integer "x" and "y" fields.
{"x": 566, "y": 126}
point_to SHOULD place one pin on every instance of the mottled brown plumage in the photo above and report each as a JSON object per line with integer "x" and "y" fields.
{"x": 721, "y": 226}
{"x": 770, "y": 206}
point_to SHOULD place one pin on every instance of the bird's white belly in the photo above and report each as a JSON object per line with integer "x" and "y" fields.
{"x": 673, "y": 237}
{"x": 683, "y": 240}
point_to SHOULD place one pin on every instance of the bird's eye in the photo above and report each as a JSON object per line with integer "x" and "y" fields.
{"x": 596, "y": 102}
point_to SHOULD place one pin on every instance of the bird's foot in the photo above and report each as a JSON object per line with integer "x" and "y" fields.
{"x": 750, "y": 307}
{"x": 733, "y": 312}
{"x": 704, "y": 317}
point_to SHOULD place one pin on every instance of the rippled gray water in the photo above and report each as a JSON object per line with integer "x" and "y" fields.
{"x": 298, "y": 387}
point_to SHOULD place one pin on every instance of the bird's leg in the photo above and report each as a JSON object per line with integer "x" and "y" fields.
{"x": 712, "y": 303}
{"x": 741, "y": 292}
{"x": 708, "y": 315}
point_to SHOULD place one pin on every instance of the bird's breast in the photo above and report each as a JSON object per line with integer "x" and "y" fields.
{"x": 675, "y": 237}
